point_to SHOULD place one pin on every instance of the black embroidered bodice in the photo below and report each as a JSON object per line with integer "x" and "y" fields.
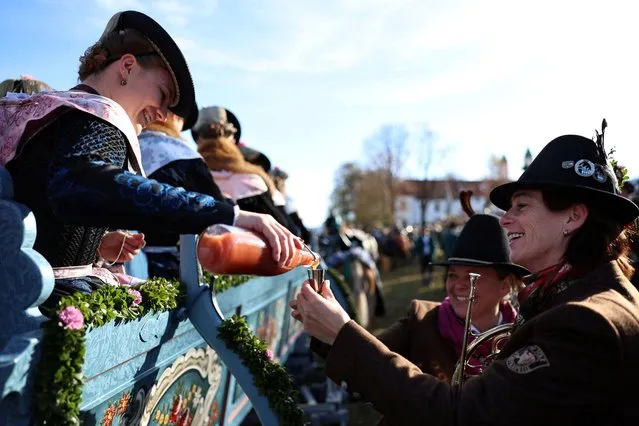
{"x": 71, "y": 176}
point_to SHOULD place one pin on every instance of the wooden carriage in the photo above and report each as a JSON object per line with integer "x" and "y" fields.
{"x": 169, "y": 367}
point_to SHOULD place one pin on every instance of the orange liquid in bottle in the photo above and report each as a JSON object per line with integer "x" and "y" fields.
{"x": 230, "y": 250}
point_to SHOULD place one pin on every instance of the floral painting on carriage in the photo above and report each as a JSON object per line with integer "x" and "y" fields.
{"x": 294, "y": 327}
{"x": 186, "y": 392}
{"x": 269, "y": 324}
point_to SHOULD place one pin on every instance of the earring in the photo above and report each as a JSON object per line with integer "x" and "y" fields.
{"x": 123, "y": 82}
{"x": 565, "y": 232}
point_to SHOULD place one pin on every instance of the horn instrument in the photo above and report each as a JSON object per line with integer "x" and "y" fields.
{"x": 498, "y": 334}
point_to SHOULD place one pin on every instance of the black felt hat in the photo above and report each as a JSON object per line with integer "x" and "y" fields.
{"x": 236, "y": 123}
{"x": 167, "y": 49}
{"x": 191, "y": 118}
{"x": 483, "y": 242}
{"x": 255, "y": 157}
{"x": 576, "y": 163}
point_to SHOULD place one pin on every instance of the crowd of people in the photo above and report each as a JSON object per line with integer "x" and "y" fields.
{"x": 105, "y": 171}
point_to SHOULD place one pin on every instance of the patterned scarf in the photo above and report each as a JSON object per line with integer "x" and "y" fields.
{"x": 22, "y": 116}
{"x": 451, "y": 328}
{"x": 541, "y": 287}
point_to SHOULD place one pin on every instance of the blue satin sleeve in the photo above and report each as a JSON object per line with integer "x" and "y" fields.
{"x": 88, "y": 186}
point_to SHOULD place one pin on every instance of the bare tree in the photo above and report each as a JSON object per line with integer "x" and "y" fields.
{"x": 348, "y": 178}
{"x": 371, "y": 199}
{"x": 426, "y": 151}
{"x": 387, "y": 154}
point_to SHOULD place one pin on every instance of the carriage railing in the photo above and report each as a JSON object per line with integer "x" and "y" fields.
{"x": 121, "y": 356}
{"x": 205, "y": 314}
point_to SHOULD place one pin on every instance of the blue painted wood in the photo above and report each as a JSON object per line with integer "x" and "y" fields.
{"x": 206, "y": 316}
{"x": 128, "y": 363}
{"x": 138, "y": 267}
{"x": 27, "y": 280}
{"x": 26, "y": 277}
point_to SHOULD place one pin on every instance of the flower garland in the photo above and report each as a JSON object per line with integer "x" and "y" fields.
{"x": 268, "y": 376}
{"x": 58, "y": 387}
{"x": 59, "y": 381}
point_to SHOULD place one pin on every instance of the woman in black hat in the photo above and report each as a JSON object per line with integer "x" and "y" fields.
{"x": 571, "y": 358}
{"x": 431, "y": 333}
{"x": 75, "y": 159}
{"x": 246, "y": 183}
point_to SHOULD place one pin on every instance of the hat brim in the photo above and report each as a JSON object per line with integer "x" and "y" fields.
{"x": 615, "y": 206}
{"x": 518, "y": 270}
{"x": 253, "y": 156}
{"x": 191, "y": 119}
{"x": 168, "y": 50}
{"x": 236, "y": 123}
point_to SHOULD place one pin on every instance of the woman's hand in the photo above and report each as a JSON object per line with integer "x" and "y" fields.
{"x": 280, "y": 239}
{"x": 111, "y": 244}
{"x": 322, "y": 315}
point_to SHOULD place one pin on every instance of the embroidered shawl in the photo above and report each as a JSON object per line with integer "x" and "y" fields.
{"x": 23, "y": 116}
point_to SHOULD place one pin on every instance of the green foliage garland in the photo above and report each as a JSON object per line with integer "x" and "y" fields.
{"x": 58, "y": 387}
{"x": 268, "y": 376}
{"x": 222, "y": 283}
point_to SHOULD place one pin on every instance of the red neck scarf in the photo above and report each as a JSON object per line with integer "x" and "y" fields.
{"x": 540, "y": 287}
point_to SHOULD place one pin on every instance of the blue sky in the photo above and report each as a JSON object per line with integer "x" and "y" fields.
{"x": 311, "y": 80}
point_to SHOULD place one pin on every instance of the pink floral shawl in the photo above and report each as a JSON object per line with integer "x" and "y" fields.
{"x": 22, "y": 116}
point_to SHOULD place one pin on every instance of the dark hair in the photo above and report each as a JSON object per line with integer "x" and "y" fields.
{"x": 503, "y": 273}
{"x": 112, "y": 47}
{"x": 600, "y": 239}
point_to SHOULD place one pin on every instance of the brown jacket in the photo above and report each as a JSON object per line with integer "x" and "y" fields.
{"x": 573, "y": 364}
{"x": 416, "y": 337}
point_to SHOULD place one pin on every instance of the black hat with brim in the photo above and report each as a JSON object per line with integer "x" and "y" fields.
{"x": 579, "y": 165}
{"x": 191, "y": 118}
{"x": 236, "y": 123}
{"x": 483, "y": 242}
{"x": 255, "y": 157}
{"x": 168, "y": 50}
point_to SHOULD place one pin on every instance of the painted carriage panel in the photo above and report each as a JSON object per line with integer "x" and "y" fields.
{"x": 264, "y": 301}
{"x": 190, "y": 391}
{"x": 157, "y": 370}
{"x": 126, "y": 366}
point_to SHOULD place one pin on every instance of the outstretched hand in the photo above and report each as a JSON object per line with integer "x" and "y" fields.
{"x": 282, "y": 242}
{"x": 321, "y": 314}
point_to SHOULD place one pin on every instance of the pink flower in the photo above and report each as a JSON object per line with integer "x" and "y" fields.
{"x": 27, "y": 77}
{"x": 138, "y": 296}
{"x": 71, "y": 318}
{"x": 269, "y": 354}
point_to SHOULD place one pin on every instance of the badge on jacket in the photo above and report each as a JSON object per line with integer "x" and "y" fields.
{"x": 526, "y": 360}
